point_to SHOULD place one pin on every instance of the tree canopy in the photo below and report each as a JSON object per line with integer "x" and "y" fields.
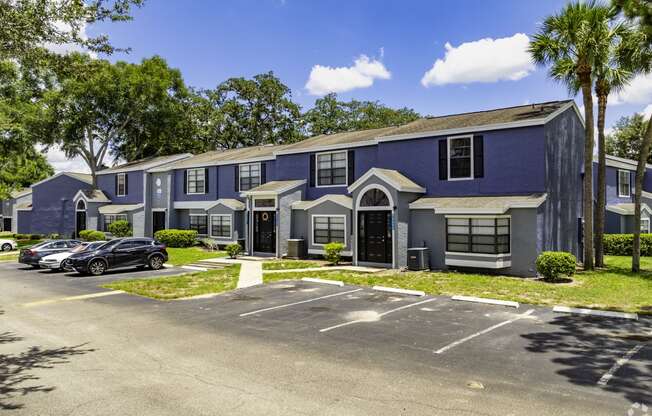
{"x": 332, "y": 116}
{"x": 626, "y": 137}
{"x": 20, "y": 171}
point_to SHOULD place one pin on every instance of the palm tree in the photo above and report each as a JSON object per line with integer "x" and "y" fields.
{"x": 568, "y": 42}
{"x": 613, "y": 71}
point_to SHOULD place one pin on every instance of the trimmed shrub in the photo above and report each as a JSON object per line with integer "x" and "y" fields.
{"x": 54, "y": 236}
{"x": 92, "y": 235}
{"x": 209, "y": 243}
{"x": 621, "y": 244}
{"x": 176, "y": 238}
{"x": 333, "y": 252}
{"x": 120, "y": 228}
{"x": 553, "y": 264}
{"x": 233, "y": 250}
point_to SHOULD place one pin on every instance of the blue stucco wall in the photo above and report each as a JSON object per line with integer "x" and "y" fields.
{"x": 24, "y": 222}
{"x": 611, "y": 181}
{"x": 52, "y": 206}
{"x": 135, "y": 189}
{"x": 211, "y": 192}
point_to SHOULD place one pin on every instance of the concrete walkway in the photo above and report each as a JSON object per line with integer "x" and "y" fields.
{"x": 330, "y": 268}
{"x": 251, "y": 272}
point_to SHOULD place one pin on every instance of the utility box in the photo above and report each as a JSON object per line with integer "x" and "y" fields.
{"x": 241, "y": 243}
{"x": 296, "y": 248}
{"x": 418, "y": 258}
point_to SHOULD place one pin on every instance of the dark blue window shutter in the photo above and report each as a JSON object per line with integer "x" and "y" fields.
{"x": 206, "y": 180}
{"x": 312, "y": 170}
{"x": 126, "y": 184}
{"x": 263, "y": 173}
{"x": 236, "y": 178}
{"x": 351, "y": 167}
{"x": 115, "y": 180}
{"x": 478, "y": 156}
{"x": 185, "y": 181}
{"x": 443, "y": 159}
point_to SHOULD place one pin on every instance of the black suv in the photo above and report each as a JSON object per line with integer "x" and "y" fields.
{"x": 120, "y": 253}
{"x": 33, "y": 254}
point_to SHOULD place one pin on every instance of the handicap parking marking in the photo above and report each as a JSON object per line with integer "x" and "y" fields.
{"x": 618, "y": 364}
{"x": 287, "y": 305}
{"x": 484, "y": 331}
{"x": 376, "y": 317}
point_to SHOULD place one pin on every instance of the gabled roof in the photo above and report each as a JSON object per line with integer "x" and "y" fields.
{"x": 342, "y": 200}
{"x": 224, "y": 157}
{"x": 620, "y": 162}
{"x": 627, "y": 208}
{"x": 118, "y": 209}
{"x": 478, "y": 204}
{"x": 24, "y": 207}
{"x": 393, "y": 178}
{"x": 84, "y": 177}
{"x": 232, "y": 203}
{"x": 91, "y": 195}
{"x": 274, "y": 187}
{"x": 144, "y": 164}
{"x": 21, "y": 192}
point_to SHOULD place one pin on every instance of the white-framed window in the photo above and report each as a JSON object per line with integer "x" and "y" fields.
{"x": 196, "y": 181}
{"x": 331, "y": 168}
{"x": 645, "y": 225}
{"x": 121, "y": 187}
{"x": 265, "y": 203}
{"x": 199, "y": 223}
{"x": 221, "y": 225}
{"x": 489, "y": 235}
{"x": 328, "y": 229}
{"x": 624, "y": 184}
{"x": 111, "y": 218}
{"x": 460, "y": 157}
{"x": 249, "y": 176}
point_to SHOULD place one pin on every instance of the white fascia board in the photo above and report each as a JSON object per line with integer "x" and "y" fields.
{"x": 144, "y": 166}
{"x": 56, "y": 176}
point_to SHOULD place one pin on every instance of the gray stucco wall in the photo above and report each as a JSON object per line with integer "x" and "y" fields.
{"x": 284, "y": 218}
{"x": 429, "y": 230}
{"x": 237, "y": 227}
{"x": 13, "y": 213}
{"x": 326, "y": 208}
{"x": 563, "y": 166}
{"x": 138, "y": 222}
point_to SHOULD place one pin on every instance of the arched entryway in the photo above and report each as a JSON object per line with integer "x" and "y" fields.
{"x": 80, "y": 217}
{"x": 374, "y": 225}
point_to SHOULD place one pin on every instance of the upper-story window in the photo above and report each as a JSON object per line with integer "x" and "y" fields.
{"x": 624, "y": 185}
{"x": 249, "y": 176}
{"x": 196, "y": 181}
{"x": 460, "y": 157}
{"x": 331, "y": 168}
{"x": 121, "y": 184}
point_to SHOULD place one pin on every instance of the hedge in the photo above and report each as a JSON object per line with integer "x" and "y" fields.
{"x": 621, "y": 244}
{"x": 176, "y": 238}
{"x": 92, "y": 235}
{"x": 120, "y": 228}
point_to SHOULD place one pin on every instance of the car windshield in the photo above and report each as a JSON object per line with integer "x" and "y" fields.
{"x": 80, "y": 248}
{"x": 108, "y": 244}
{"x": 95, "y": 245}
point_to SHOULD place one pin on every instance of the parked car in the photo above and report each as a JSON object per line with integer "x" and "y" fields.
{"x": 8, "y": 245}
{"x": 35, "y": 253}
{"x": 60, "y": 261}
{"x": 121, "y": 253}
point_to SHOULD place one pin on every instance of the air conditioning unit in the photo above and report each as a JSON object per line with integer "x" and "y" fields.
{"x": 418, "y": 258}
{"x": 296, "y": 248}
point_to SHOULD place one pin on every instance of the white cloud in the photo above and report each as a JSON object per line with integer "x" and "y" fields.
{"x": 326, "y": 79}
{"x": 61, "y": 163}
{"x": 484, "y": 60}
{"x": 647, "y": 111}
{"x": 639, "y": 91}
{"x": 66, "y": 48}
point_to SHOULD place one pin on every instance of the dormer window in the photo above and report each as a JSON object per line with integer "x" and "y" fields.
{"x": 624, "y": 184}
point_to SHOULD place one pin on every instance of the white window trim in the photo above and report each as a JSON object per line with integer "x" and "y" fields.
{"x": 448, "y": 157}
{"x": 498, "y": 256}
{"x": 629, "y": 183}
{"x": 207, "y": 222}
{"x": 77, "y": 206}
{"x": 647, "y": 226}
{"x": 188, "y": 182}
{"x": 312, "y": 228}
{"x": 255, "y": 208}
{"x": 346, "y": 168}
{"x": 210, "y": 229}
{"x": 124, "y": 184}
{"x": 260, "y": 174}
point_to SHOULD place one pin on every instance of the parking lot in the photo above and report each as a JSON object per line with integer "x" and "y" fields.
{"x": 558, "y": 364}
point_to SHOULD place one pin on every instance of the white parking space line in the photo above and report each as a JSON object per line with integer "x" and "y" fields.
{"x": 80, "y": 297}
{"x": 330, "y": 328}
{"x": 619, "y": 363}
{"x": 484, "y": 331}
{"x": 298, "y": 303}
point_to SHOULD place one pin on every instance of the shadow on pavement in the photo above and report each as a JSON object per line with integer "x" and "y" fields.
{"x": 17, "y": 378}
{"x": 589, "y": 347}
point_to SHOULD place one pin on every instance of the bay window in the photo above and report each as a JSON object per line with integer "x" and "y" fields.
{"x": 199, "y": 223}
{"x": 478, "y": 235}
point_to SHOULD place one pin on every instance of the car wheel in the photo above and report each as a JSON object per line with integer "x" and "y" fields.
{"x": 6, "y": 247}
{"x": 65, "y": 265}
{"x": 155, "y": 262}
{"x": 97, "y": 267}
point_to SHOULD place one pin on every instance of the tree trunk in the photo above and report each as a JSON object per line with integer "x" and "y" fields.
{"x": 601, "y": 203}
{"x": 587, "y": 203}
{"x": 640, "y": 173}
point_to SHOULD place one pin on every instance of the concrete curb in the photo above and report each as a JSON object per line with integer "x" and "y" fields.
{"x": 400, "y": 291}
{"x": 200, "y": 269}
{"x": 595, "y": 312}
{"x": 324, "y": 281}
{"x": 508, "y": 303}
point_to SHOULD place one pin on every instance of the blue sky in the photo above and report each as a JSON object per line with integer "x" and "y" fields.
{"x": 321, "y": 41}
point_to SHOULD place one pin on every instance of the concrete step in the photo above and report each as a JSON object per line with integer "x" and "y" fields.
{"x": 208, "y": 265}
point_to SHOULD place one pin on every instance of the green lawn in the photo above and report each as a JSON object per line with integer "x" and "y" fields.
{"x": 187, "y": 255}
{"x": 9, "y": 256}
{"x": 181, "y": 286}
{"x": 614, "y": 288}
{"x": 27, "y": 243}
{"x": 292, "y": 264}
